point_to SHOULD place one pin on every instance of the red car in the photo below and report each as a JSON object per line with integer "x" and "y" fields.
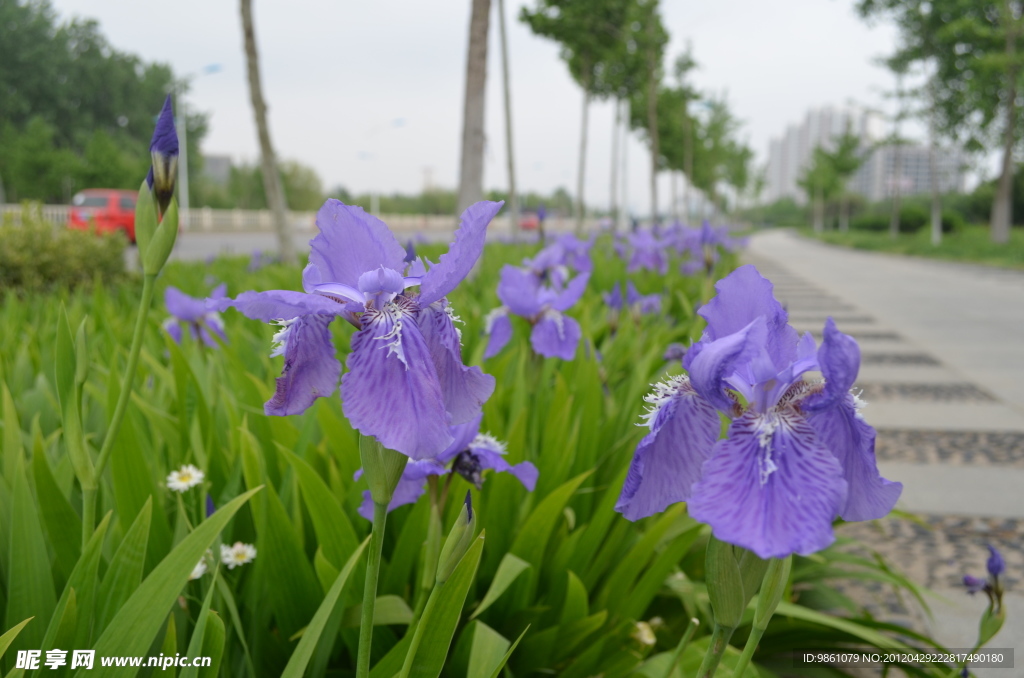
{"x": 109, "y": 209}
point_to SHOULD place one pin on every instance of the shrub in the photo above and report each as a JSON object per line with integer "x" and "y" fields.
{"x": 870, "y": 222}
{"x": 37, "y": 256}
{"x": 912, "y": 219}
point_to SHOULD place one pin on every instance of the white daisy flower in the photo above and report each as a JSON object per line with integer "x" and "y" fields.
{"x": 238, "y": 554}
{"x": 185, "y": 478}
{"x": 199, "y": 570}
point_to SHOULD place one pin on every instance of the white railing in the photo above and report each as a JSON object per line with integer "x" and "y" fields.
{"x": 207, "y": 220}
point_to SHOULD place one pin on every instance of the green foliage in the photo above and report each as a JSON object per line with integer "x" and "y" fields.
{"x": 244, "y": 190}
{"x": 594, "y": 36}
{"x": 698, "y": 134}
{"x": 37, "y": 256}
{"x": 965, "y": 43}
{"x": 913, "y": 218}
{"x": 559, "y": 570}
{"x": 782, "y": 212}
{"x": 820, "y": 179}
{"x": 77, "y": 113}
{"x": 966, "y": 243}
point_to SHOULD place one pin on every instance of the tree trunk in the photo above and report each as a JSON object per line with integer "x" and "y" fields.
{"x": 513, "y": 197}
{"x": 1002, "y": 208}
{"x": 613, "y": 207}
{"x": 687, "y": 162}
{"x": 819, "y": 210}
{"x": 652, "y": 120}
{"x": 897, "y": 180}
{"x": 624, "y": 211}
{"x": 581, "y": 170}
{"x": 471, "y": 167}
{"x": 844, "y": 212}
{"x": 675, "y": 197}
{"x": 271, "y": 179}
{"x": 933, "y": 172}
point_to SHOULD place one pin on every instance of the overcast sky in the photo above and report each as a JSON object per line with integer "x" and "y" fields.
{"x": 370, "y": 93}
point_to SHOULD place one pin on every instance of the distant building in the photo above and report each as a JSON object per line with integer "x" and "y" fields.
{"x": 217, "y": 168}
{"x": 878, "y": 176}
{"x": 790, "y": 154}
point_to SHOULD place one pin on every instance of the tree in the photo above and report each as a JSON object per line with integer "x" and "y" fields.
{"x": 973, "y": 47}
{"x": 654, "y": 48}
{"x": 592, "y": 34}
{"x": 90, "y": 107}
{"x": 844, "y": 161}
{"x": 684, "y": 64}
{"x": 709, "y": 149}
{"x": 271, "y": 179}
{"x": 820, "y": 182}
{"x": 471, "y": 166}
{"x": 513, "y": 198}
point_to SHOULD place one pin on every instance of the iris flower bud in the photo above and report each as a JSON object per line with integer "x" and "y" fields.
{"x": 164, "y": 150}
{"x": 457, "y": 543}
{"x": 995, "y": 562}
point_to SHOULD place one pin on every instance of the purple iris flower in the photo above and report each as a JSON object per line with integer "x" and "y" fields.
{"x": 554, "y": 334}
{"x": 991, "y": 587}
{"x": 995, "y": 563}
{"x": 406, "y": 383}
{"x": 675, "y": 351}
{"x": 164, "y": 152}
{"x": 647, "y": 251}
{"x": 576, "y": 252}
{"x": 643, "y": 304}
{"x": 974, "y": 585}
{"x": 257, "y": 261}
{"x": 470, "y": 454}
{"x": 613, "y": 298}
{"x": 797, "y": 454}
{"x": 192, "y": 314}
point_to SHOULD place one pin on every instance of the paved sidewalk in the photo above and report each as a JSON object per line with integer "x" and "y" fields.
{"x": 942, "y": 349}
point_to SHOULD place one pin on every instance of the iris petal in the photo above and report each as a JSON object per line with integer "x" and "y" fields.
{"x": 391, "y": 390}
{"x": 519, "y": 290}
{"x": 182, "y": 306}
{"x": 465, "y": 389}
{"x": 555, "y": 336}
{"x": 668, "y": 460}
{"x": 742, "y": 296}
{"x": 716, "y": 360}
{"x": 852, "y": 441}
{"x": 839, "y": 358}
{"x": 770, "y": 487}
{"x": 277, "y": 304}
{"x": 352, "y": 242}
{"x": 572, "y": 293}
{"x": 456, "y": 263}
{"x": 311, "y": 369}
{"x": 463, "y": 435}
{"x": 500, "y": 329}
{"x": 524, "y": 472}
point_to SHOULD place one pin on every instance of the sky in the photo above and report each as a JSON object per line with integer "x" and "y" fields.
{"x": 370, "y": 94}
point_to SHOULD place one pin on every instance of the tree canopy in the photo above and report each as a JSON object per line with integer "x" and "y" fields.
{"x": 75, "y": 112}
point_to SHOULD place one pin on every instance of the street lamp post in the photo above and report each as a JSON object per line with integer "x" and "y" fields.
{"x": 179, "y": 88}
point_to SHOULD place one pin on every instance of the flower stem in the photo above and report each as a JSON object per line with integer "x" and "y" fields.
{"x": 88, "y": 514}
{"x": 687, "y": 635}
{"x": 748, "y": 651}
{"x": 89, "y": 494}
{"x": 719, "y": 641}
{"x": 417, "y": 634}
{"x": 380, "y": 516}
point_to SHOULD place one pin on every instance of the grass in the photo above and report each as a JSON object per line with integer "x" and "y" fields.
{"x": 971, "y": 244}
